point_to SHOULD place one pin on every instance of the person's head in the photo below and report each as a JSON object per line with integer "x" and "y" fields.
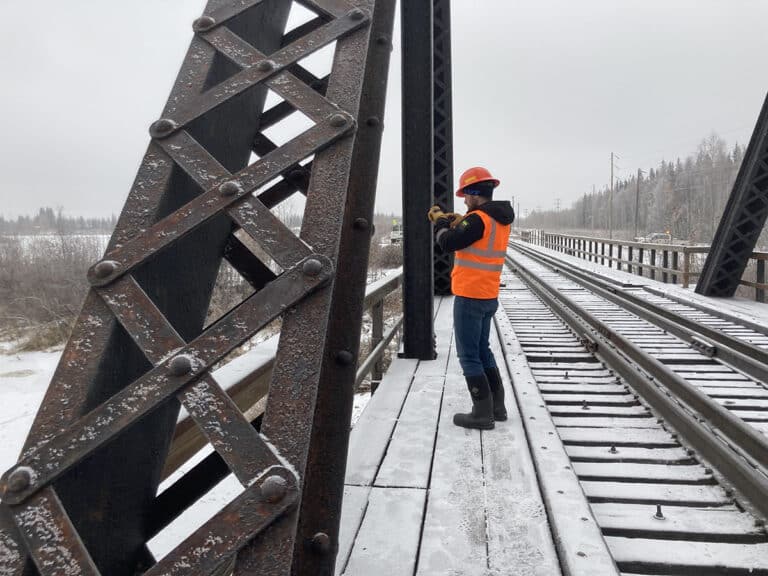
{"x": 476, "y": 187}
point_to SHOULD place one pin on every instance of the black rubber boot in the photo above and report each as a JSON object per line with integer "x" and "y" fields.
{"x": 481, "y": 416}
{"x": 497, "y": 391}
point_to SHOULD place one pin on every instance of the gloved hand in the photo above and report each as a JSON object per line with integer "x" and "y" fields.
{"x": 437, "y": 213}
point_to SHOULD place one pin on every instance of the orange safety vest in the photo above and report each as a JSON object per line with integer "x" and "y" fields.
{"x": 477, "y": 268}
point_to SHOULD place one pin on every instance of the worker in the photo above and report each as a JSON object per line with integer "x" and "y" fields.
{"x": 479, "y": 240}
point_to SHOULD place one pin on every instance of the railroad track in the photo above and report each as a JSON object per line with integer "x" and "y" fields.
{"x": 666, "y": 439}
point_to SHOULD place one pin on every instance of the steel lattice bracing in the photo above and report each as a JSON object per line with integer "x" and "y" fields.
{"x": 82, "y": 499}
{"x": 443, "y": 136}
{"x": 742, "y": 221}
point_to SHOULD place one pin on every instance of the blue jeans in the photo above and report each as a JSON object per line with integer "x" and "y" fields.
{"x": 472, "y": 326}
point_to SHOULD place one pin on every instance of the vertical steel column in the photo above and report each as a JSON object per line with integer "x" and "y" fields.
{"x": 318, "y": 530}
{"x": 443, "y": 137}
{"x": 743, "y": 218}
{"x": 418, "y": 281}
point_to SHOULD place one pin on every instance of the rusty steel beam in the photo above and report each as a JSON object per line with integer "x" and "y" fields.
{"x": 140, "y": 348}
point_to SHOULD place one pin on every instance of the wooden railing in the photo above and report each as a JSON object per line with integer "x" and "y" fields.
{"x": 246, "y": 378}
{"x": 675, "y": 263}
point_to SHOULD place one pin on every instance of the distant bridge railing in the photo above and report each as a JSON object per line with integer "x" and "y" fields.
{"x": 246, "y": 378}
{"x": 671, "y": 263}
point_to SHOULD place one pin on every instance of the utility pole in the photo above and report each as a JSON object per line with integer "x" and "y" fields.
{"x": 610, "y": 204}
{"x": 518, "y": 213}
{"x": 637, "y": 199}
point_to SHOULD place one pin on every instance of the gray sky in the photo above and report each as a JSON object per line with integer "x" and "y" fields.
{"x": 544, "y": 90}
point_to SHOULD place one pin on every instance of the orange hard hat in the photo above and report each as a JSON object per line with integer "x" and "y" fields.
{"x": 473, "y": 176}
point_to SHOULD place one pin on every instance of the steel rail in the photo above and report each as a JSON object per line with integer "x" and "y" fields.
{"x": 742, "y": 355}
{"x": 671, "y": 396}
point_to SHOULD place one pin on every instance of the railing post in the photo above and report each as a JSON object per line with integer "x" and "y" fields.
{"x": 640, "y": 260}
{"x": 760, "y": 279}
{"x": 653, "y": 264}
{"x": 610, "y": 255}
{"x": 630, "y": 255}
{"x": 665, "y": 265}
{"x": 675, "y": 266}
{"x": 602, "y": 253}
{"x": 377, "y": 335}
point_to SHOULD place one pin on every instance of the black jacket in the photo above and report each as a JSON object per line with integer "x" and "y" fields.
{"x": 471, "y": 229}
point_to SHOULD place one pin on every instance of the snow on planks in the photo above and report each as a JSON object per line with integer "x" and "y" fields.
{"x": 427, "y": 497}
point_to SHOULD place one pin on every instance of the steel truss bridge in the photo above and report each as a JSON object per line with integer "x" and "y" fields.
{"x": 624, "y": 401}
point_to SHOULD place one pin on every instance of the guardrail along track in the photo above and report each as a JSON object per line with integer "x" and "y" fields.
{"x": 670, "y": 496}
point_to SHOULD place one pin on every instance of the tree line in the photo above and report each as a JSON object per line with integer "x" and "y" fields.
{"x": 685, "y": 198}
{"x": 50, "y": 221}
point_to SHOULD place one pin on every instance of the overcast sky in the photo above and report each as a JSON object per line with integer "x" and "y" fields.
{"x": 544, "y": 90}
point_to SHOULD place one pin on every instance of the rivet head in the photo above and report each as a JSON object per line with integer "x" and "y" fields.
{"x": 203, "y": 24}
{"x": 338, "y": 120}
{"x": 344, "y": 357}
{"x": 230, "y": 188}
{"x": 265, "y": 66}
{"x": 361, "y": 224}
{"x": 297, "y": 174}
{"x": 20, "y": 479}
{"x": 162, "y": 128}
{"x": 274, "y": 489}
{"x": 312, "y": 267}
{"x": 382, "y": 40}
{"x": 105, "y": 269}
{"x": 321, "y": 543}
{"x": 373, "y": 121}
{"x": 356, "y": 14}
{"x": 180, "y": 365}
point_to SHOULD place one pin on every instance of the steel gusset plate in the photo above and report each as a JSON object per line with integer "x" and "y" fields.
{"x": 139, "y": 345}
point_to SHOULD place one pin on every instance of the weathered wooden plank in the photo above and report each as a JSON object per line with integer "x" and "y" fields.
{"x": 643, "y": 472}
{"x": 519, "y": 538}
{"x": 408, "y": 459}
{"x": 627, "y": 454}
{"x": 388, "y": 540}
{"x": 554, "y": 399}
{"x": 454, "y": 534}
{"x": 688, "y": 557}
{"x": 581, "y": 547}
{"x": 577, "y": 388}
{"x": 647, "y": 437}
{"x": 639, "y": 412}
{"x": 641, "y": 492}
{"x": 725, "y": 522}
{"x": 370, "y": 436}
{"x": 598, "y": 422}
{"x": 758, "y": 404}
{"x": 352, "y": 511}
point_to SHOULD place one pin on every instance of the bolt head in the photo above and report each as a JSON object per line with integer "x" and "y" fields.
{"x": 321, "y": 543}
{"x": 105, "y": 269}
{"x": 20, "y": 479}
{"x": 356, "y": 14}
{"x": 338, "y": 120}
{"x": 373, "y": 121}
{"x": 312, "y": 267}
{"x": 345, "y": 357}
{"x": 361, "y": 224}
{"x": 203, "y": 24}
{"x": 265, "y": 66}
{"x": 231, "y": 188}
{"x": 162, "y": 128}
{"x": 180, "y": 365}
{"x": 274, "y": 489}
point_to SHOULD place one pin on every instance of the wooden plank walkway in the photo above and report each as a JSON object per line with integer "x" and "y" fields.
{"x": 428, "y": 498}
